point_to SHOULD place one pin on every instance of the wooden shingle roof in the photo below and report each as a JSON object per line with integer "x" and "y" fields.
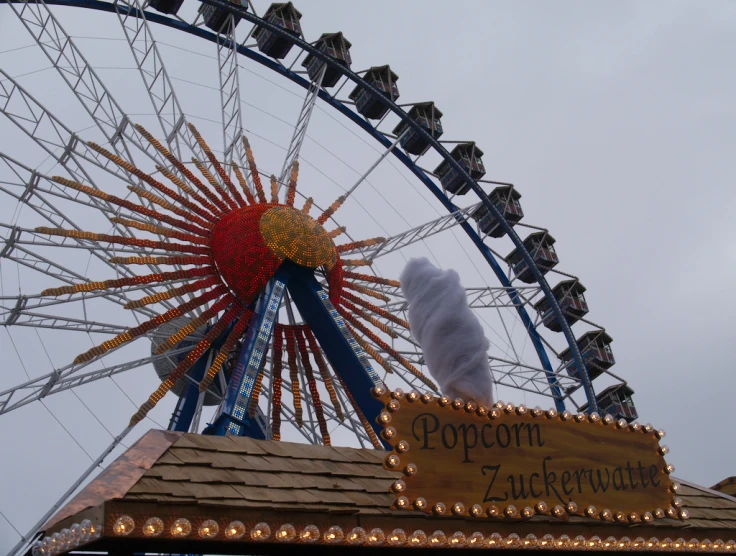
{"x": 172, "y": 475}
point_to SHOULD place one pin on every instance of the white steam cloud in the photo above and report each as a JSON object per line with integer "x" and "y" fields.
{"x": 455, "y": 347}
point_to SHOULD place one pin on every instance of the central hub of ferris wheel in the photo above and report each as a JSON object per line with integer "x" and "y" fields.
{"x": 249, "y": 244}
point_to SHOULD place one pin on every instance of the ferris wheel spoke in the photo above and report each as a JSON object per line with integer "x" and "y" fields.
{"x": 419, "y": 233}
{"x": 81, "y": 77}
{"x": 16, "y": 249}
{"x": 69, "y": 377}
{"x": 17, "y": 315}
{"x": 232, "y": 124}
{"x": 156, "y": 78}
{"x": 302, "y": 123}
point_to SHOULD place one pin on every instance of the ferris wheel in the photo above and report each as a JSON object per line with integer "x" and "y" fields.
{"x": 242, "y": 235}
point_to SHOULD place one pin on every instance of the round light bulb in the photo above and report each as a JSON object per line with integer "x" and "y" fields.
{"x": 153, "y": 527}
{"x": 357, "y": 536}
{"x": 376, "y": 537}
{"x": 123, "y": 526}
{"x": 334, "y": 535}
{"x": 438, "y": 539}
{"x": 208, "y": 529}
{"x": 457, "y": 539}
{"x": 476, "y": 540}
{"x": 397, "y": 538}
{"x": 286, "y": 533}
{"x": 236, "y": 529}
{"x": 181, "y": 528}
{"x": 418, "y": 538}
{"x": 309, "y": 534}
{"x": 260, "y": 532}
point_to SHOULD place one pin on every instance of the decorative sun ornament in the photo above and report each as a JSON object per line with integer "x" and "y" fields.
{"x": 233, "y": 245}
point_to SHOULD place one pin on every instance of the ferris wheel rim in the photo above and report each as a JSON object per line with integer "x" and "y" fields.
{"x": 382, "y": 139}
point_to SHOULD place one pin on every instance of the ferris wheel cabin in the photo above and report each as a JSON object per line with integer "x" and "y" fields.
{"x": 595, "y": 347}
{"x": 334, "y": 45}
{"x": 170, "y": 7}
{"x": 569, "y": 295}
{"x": 286, "y": 16}
{"x": 427, "y": 115}
{"x": 506, "y": 200}
{"x": 469, "y": 157}
{"x": 541, "y": 247}
{"x": 616, "y": 400}
{"x": 215, "y": 18}
{"x": 368, "y": 104}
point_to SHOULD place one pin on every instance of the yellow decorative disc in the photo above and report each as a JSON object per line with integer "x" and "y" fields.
{"x": 291, "y": 234}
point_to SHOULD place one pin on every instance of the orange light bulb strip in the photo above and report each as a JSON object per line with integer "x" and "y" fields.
{"x": 385, "y": 347}
{"x": 336, "y": 232}
{"x": 253, "y": 405}
{"x": 243, "y": 184}
{"x": 363, "y": 421}
{"x": 120, "y": 240}
{"x": 160, "y": 230}
{"x": 161, "y": 260}
{"x": 152, "y": 182}
{"x": 130, "y": 281}
{"x": 183, "y": 169}
{"x": 278, "y": 356}
{"x": 133, "y": 333}
{"x": 291, "y": 192}
{"x": 254, "y": 171}
{"x": 358, "y": 244}
{"x": 372, "y": 279}
{"x": 178, "y": 372}
{"x": 164, "y": 204}
{"x": 366, "y": 317}
{"x": 227, "y": 347}
{"x": 294, "y": 374}
{"x": 195, "y": 323}
{"x": 174, "y": 292}
{"x": 356, "y": 262}
{"x": 335, "y": 282}
{"x": 140, "y": 209}
{"x": 370, "y": 351}
{"x": 216, "y": 163}
{"x": 189, "y": 191}
{"x": 312, "y": 385}
{"x": 214, "y": 183}
{"x": 324, "y": 372}
{"x": 331, "y": 210}
{"x": 308, "y": 206}
{"x": 375, "y": 309}
{"x": 367, "y": 291}
{"x": 274, "y": 190}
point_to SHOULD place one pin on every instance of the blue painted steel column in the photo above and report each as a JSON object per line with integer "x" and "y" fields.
{"x": 232, "y": 415}
{"x": 181, "y": 418}
{"x": 345, "y": 354}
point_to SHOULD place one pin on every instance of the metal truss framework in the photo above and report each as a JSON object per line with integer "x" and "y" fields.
{"x": 232, "y": 124}
{"x": 484, "y": 297}
{"x": 349, "y": 75}
{"x": 302, "y": 123}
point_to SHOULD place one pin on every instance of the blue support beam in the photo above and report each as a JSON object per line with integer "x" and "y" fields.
{"x": 345, "y": 355}
{"x": 232, "y": 415}
{"x": 181, "y": 419}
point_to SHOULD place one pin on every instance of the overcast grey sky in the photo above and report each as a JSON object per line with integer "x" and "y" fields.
{"x": 615, "y": 120}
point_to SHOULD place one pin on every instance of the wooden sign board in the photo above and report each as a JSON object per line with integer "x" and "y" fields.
{"x": 459, "y": 459}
